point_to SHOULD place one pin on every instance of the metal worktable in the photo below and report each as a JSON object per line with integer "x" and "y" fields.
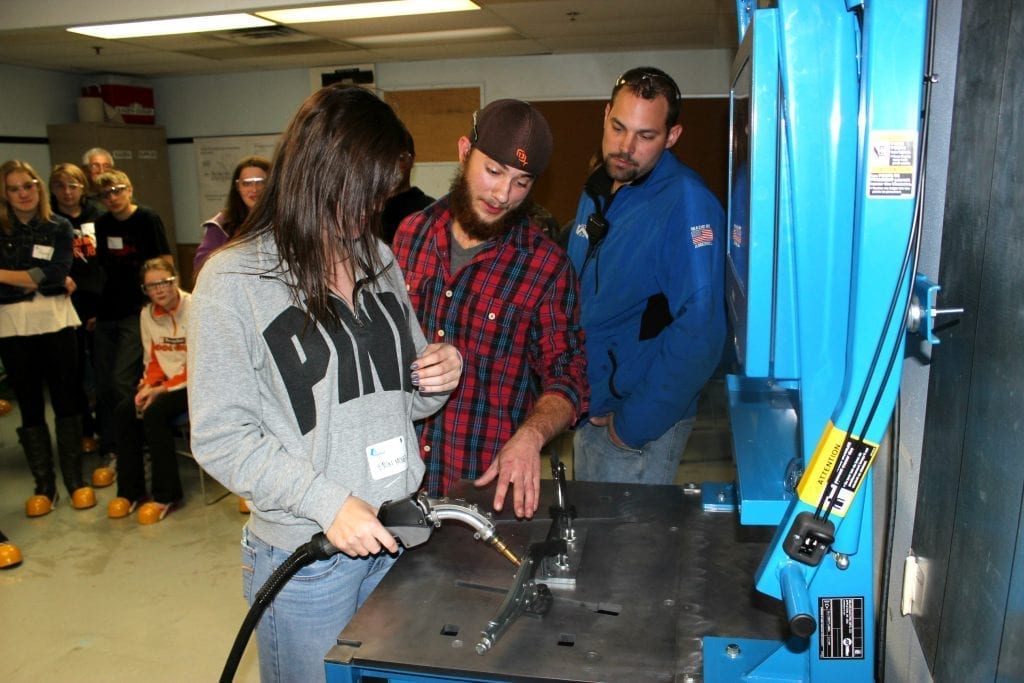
{"x": 656, "y": 575}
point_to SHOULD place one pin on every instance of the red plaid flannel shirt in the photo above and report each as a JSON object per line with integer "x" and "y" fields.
{"x": 513, "y": 313}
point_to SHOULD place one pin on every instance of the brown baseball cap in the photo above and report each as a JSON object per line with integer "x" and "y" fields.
{"x": 514, "y": 133}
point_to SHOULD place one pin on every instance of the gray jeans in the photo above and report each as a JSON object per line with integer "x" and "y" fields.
{"x": 596, "y": 458}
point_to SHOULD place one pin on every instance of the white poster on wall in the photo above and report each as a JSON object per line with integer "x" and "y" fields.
{"x": 434, "y": 177}
{"x": 216, "y": 159}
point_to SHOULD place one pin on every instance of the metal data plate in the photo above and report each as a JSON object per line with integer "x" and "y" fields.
{"x": 656, "y": 574}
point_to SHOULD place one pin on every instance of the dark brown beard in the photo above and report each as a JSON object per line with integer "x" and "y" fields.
{"x": 626, "y": 176}
{"x": 461, "y": 204}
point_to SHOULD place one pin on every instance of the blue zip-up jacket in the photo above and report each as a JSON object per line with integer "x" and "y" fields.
{"x": 653, "y": 296}
{"x": 42, "y": 248}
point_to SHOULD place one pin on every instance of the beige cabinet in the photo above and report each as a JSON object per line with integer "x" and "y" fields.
{"x": 140, "y": 151}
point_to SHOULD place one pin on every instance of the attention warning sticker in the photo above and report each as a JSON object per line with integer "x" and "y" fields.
{"x": 892, "y": 164}
{"x": 846, "y": 456}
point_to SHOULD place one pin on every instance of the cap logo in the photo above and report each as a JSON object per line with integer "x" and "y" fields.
{"x": 521, "y": 156}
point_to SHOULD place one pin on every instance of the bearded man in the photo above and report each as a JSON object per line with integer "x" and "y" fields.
{"x": 484, "y": 277}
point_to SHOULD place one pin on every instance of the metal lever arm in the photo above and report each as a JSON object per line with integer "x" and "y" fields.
{"x": 524, "y": 596}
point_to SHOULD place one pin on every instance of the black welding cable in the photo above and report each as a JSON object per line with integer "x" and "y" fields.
{"x": 318, "y": 548}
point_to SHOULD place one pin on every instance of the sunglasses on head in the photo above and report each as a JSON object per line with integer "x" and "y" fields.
{"x": 649, "y": 81}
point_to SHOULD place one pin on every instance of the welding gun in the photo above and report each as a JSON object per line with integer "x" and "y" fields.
{"x": 412, "y": 520}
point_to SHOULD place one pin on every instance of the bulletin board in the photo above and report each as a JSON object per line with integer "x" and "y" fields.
{"x": 216, "y": 159}
{"x": 436, "y": 119}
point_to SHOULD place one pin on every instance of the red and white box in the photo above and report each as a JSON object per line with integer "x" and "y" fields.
{"x": 125, "y": 100}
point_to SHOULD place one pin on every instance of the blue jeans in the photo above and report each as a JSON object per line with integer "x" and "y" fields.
{"x": 304, "y": 619}
{"x": 596, "y": 458}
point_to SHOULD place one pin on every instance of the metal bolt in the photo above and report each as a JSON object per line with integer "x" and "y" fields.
{"x": 732, "y": 650}
{"x": 842, "y": 561}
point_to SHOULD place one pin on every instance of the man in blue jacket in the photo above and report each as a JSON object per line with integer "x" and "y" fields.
{"x": 647, "y": 245}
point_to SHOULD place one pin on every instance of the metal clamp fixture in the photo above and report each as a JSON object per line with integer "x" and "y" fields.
{"x": 923, "y": 311}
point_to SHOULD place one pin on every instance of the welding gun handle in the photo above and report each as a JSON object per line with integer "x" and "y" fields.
{"x": 407, "y": 519}
{"x": 320, "y": 548}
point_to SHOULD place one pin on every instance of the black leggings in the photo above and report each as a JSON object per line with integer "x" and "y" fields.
{"x": 155, "y": 429}
{"x": 36, "y": 360}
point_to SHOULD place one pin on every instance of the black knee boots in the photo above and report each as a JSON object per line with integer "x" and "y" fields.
{"x": 69, "y": 450}
{"x": 36, "y": 443}
{"x": 69, "y": 446}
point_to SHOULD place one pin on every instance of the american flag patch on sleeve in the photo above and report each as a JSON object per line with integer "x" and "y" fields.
{"x": 702, "y": 235}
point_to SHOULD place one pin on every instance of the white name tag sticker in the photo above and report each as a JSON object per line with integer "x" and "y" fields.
{"x": 89, "y": 230}
{"x": 42, "y": 252}
{"x": 115, "y": 242}
{"x": 387, "y": 458}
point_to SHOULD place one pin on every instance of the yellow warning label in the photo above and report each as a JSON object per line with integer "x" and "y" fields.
{"x": 838, "y": 466}
{"x": 892, "y": 164}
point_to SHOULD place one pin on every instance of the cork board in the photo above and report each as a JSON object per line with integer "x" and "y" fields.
{"x": 436, "y": 119}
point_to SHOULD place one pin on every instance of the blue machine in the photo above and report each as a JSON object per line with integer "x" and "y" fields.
{"x": 826, "y": 102}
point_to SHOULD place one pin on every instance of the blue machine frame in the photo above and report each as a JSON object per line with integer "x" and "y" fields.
{"x": 820, "y": 272}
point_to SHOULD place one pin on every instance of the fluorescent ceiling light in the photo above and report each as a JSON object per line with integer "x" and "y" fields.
{"x": 367, "y": 10}
{"x": 167, "y": 27}
{"x": 431, "y": 36}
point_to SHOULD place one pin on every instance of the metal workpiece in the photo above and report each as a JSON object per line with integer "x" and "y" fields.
{"x": 526, "y": 596}
{"x": 655, "y": 576}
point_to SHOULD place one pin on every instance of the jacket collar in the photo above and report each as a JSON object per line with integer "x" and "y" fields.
{"x": 599, "y": 184}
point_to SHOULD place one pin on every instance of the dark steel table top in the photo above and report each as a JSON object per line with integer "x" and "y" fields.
{"x": 656, "y": 575}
